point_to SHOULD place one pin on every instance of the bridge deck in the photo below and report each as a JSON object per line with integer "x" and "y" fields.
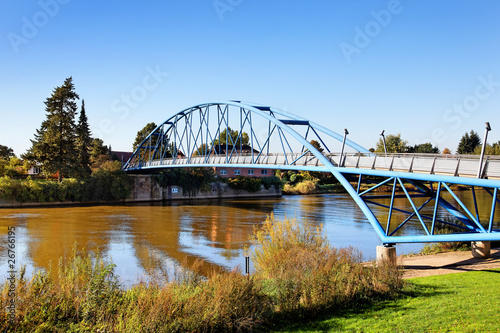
{"x": 447, "y": 165}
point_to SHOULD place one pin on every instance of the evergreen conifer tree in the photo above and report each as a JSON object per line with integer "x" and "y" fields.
{"x": 83, "y": 142}
{"x": 468, "y": 143}
{"x": 54, "y": 146}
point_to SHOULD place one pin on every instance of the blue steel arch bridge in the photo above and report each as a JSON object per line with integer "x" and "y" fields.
{"x": 280, "y": 140}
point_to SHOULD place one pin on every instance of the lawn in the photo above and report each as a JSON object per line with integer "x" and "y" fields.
{"x": 462, "y": 302}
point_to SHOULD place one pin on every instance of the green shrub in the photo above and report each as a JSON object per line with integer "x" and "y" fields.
{"x": 101, "y": 186}
{"x": 191, "y": 180}
{"x": 270, "y": 181}
{"x": 249, "y": 184}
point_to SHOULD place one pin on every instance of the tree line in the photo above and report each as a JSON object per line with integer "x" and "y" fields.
{"x": 227, "y": 136}
{"x": 470, "y": 143}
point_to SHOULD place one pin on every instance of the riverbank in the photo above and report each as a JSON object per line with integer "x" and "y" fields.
{"x": 144, "y": 188}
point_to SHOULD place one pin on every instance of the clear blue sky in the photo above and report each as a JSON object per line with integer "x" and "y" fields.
{"x": 429, "y": 70}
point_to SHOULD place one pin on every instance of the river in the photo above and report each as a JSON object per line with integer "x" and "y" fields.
{"x": 140, "y": 239}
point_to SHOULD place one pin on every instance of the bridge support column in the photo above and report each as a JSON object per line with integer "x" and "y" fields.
{"x": 481, "y": 249}
{"x": 386, "y": 252}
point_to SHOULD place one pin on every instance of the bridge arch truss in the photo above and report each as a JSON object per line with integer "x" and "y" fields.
{"x": 246, "y": 135}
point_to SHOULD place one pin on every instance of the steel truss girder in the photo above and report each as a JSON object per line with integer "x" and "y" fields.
{"x": 468, "y": 227}
{"x": 181, "y": 134}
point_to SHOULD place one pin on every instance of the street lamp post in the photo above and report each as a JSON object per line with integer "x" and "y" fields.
{"x": 480, "y": 169}
{"x": 383, "y": 140}
{"x": 341, "y": 164}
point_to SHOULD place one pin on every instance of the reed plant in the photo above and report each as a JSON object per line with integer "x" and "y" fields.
{"x": 302, "y": 272}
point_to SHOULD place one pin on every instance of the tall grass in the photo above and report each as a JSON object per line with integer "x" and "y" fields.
{"x": 296, "y": 273}
{"x": 302, "y": 272}
{"x": 86, "y": 294}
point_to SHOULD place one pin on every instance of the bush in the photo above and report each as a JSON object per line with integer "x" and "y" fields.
{"x": 303, "y": 273}
{"x": 191, "y": 180}
{"x": 101, "y": 186}
{"x": 305, "y": 187}
{"x": 249, "y": 184}
{"x": 86, "y": 297}
{"x": 85, "y": 292}
{"x": 270, "y": 181}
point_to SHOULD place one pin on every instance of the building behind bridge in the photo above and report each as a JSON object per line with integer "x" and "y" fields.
{"x": 240, "y": 150}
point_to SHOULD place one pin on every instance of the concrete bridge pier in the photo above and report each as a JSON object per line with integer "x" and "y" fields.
{"x": 481, "y": 249}
{"x": 386, "y": 252}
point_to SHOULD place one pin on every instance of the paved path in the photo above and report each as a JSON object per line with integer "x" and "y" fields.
{"x": 446, "y": 263}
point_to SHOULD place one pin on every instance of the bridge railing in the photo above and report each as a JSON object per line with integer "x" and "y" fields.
{"x": 453, "y": 165}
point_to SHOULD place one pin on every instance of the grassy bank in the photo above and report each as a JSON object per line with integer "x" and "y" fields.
{"x": 462, "y": 302}
{"x": 297, "y": 275}
{"x": 100, "y": 186}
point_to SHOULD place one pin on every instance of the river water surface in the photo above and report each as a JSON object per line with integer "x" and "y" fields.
{"x": 140, "y": 239}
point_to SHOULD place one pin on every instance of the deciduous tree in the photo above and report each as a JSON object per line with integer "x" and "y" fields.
{"x": 423, "y": 148}
{"x": 142, "y": 134}
{"x": 99, "y": 154}
{"x": 317, "y": 145}
{"x": 6, "y": 152}
{"x": 202, "y": 150}
{"x": 11, "y": 167}
{"x": 98, "y": 148}
{"x": 231, "y": 138}
{"x": 493, "y": 149}
{"x": 394, "y": 144}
